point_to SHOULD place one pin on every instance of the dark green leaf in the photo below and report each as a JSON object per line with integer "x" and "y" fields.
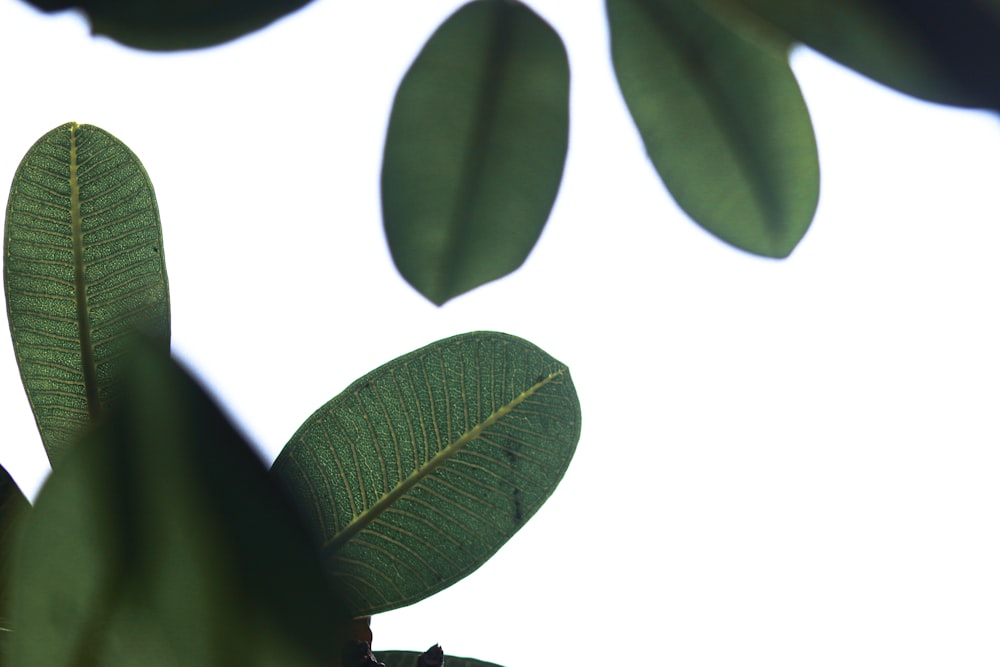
{"x": 722, "y": 119}
{"x": 409, "y": 659}
{"x": 83, "y": 266}
{"x": 475, "y": 149}
{"x": 944, "y": 52}
{"x": 13, "y": 506}
{"x": 162, "y": 540}
{"x": 419, "y": 471}
{"x": 165, "y": 25}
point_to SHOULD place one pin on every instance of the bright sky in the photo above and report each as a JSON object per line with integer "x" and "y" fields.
{"x": 782, "y": 463}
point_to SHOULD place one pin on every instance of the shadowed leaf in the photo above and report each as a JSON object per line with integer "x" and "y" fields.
{"x": 162, "y": 540}
{"x": 165, "y": 25}
{"x": 83, "y": 267}
{"x": 419, "y": 471}
{"x": 946, "y": 52}
{"x": 475, "y": 149}
{"x": 722, "y": 119}
{"x": 410, "y": 658}
{"x": 13, "y": 506}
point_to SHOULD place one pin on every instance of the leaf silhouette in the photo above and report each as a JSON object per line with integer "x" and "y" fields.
{"x": 409, "y": 659}
{"x": 419, "y": 471}
{"x": 164, "y": 25}
{"x": 722, "y": 118}
{"x": 475, "y": 148}
{"x": 83, "y": 267}
{"x": 944, "y": 52}
{"x": 162, "y": 541}
{"x": 13, "y": 506}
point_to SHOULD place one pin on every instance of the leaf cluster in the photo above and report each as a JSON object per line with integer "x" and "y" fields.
{"x": 419, "y": 471}
{"x": 184, "y": 548}
{"x": 478, "y": 134}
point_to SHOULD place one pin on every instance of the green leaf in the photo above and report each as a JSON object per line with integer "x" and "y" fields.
{"x": 418, "y": 472}
{"x": 475, "y": 149}
{"x": 13, "y": 506}
{"x": 162, "y": 540}
{"x": 409, "y": 659}
{"x": 944, "y": 52}
{"x": 83, "y": 267}
{"x": 165, "y": 25}
{"x": 722, "y": 118}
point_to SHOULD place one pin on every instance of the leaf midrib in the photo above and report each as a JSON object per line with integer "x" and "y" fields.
{"x": 498, "y": 56}
{"x": 88, "y": 364}
{"x": 769, "y": 207}
{"x": 360, "y": 522}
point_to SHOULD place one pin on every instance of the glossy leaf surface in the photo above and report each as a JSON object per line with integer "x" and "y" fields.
{"x": 83, "y": 267}
{"x": 409, "y": 659}
{"x": 722, "y": 119}
{"x": 175, "y": 24}
{"x": 419, "y": 471}
{"x": 13, "y": 506}
{"x": 475, "y": 149}
{"x": 944, "y": 52}
{"x": 162, "y": 540}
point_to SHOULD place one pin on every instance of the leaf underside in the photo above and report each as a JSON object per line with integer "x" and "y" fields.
{"x": 418, "y": 472}
{"x": 722, "y": 119}
{"x": 83, "y": 268}
{"x": 475, "y": 148}
{"x": 945, "y": 52}
{"x": 163, "y": 541}
{"x": 167, "y": 25}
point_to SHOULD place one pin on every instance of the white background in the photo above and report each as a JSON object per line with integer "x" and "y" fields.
{"x": 782, "y": 463}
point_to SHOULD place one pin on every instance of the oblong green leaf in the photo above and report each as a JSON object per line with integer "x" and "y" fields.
{"x": 475, "y": 148}
{"x": 419, "y": 471}
{"x": 167, "y": 25}
{"x": 944, "y": 52}
{"x": 83, "y": 266}
{"x": 722, "y": 119}
{"x": 163, "y": 541}
{"x": 409, "y": 659}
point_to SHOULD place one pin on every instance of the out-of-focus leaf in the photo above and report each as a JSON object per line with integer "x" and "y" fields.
{"x": 83, "y": 266}
{"x": 166, "y": 25}
{"x": 475, "y": 149}
{"x": 418, "y": 472}
{"x": 13, "y": 506}
{"x": 946, "y": 52}
{"x": 722, "y": 118}
{"x": 162, "y": 540}
{"x": 409, "y": 659}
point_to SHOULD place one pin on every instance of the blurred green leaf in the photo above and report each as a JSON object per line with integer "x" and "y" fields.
{"x": 722, "y": 119}
{"x": 418, "y": 472}
{"x": 946, "y": 52}
{"x": 162, "y": 540}
{"x": 409, "y": 659}
{"x": 13, "y": 506}
{"x": 83, "y": 266}
{"x": 166, "y": 25}
{"x": 475, "y": 149}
